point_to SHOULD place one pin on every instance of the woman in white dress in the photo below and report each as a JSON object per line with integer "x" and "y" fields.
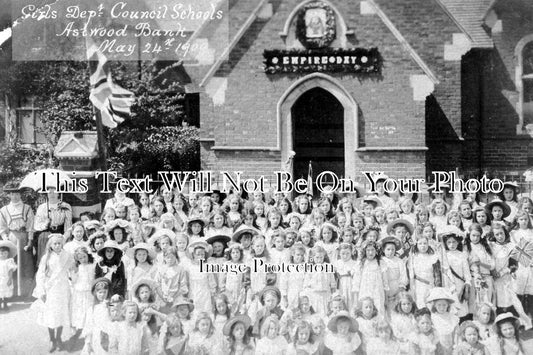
{"x": 53, "y": 289}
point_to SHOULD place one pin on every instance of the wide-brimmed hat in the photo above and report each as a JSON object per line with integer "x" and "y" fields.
{"x": 12, "y": 247}
{"x": 118, "y": 223}
{"x": 11, "y": 186}
{"x": 512, "y": 184}
{"x": 505, "y": 316}
{"x": 110, "y": 244}
{"x": 99, "y": 280}
{"x": 332, "y": 324}
{"x": 180, "y": 301}
{"x": 391, "y": 240}
{"x": 450, "y": 231}
{"x": 144, "y": 281}
{"x": 163, "y": 232}
{"x": 440, "y": 293}
{"x": 242, "y": 318}
{"x": 400, "y": 221}
{"x": 237, "y": 235}
{"x": 200, "y": 244}
{"x": 196, "y": 219}
{"x": 266, "y": 289}
{"x": 144, "y": 246}
{"x": 92, "y": 224}
{"x": 373, "y": 199}
{"x": 497, "y": 202}
{"x": 223, "y": 238}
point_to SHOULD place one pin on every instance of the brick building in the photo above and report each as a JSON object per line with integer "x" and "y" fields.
{"x": 453, "y": 89}
{"x": 421, "y": 85}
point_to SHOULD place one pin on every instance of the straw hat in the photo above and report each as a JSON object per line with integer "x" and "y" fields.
{"x": 144, "y": 281}
{"x": 450, "y": 231}
{"x": 180, "y": 301}
{"x": 243, "y": 318}
{"x": 93, "y": 224}
{"x": 497, "y": 202}
{"x": 505, "y": 316}
{"x": 12, "y": 248}
{"x": 11, "y": 187}
{"x": 201, "y": 244}
{"x": 237, "y": 235}
{"x": 332, "y": 324}
{"x": 373, "y": 199}
{"x": 141, "y": 246}
{"x": 294, "y": 214}
{"x": 512, "y": 184}
{"x": 223, "y": 238}
{"x": 400, "y": 221}
{"x": 392, "y": 240}
{"x": 110, "y": 244}
{"x": 439, "y": 293}
{"x": 163, "y": 232}
{"x": 196, "y": 219}
{"x": 118, "y": 223}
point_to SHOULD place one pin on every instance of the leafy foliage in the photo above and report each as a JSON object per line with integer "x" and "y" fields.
{"x": 152, "y": 139}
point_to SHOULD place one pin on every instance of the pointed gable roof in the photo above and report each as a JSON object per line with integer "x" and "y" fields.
{"x": 468, "y": 15}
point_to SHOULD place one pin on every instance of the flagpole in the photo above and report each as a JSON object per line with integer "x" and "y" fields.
{"x": 100, "y": 138}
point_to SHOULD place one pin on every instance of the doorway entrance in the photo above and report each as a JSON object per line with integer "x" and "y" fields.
{"x": 318, "y": 133}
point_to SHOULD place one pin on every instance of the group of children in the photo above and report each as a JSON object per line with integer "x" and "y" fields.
{"x": 451, "y": 276}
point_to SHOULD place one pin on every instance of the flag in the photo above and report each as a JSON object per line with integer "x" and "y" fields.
{"x": 310, "y": 180}
{"x": 113, "y": 101}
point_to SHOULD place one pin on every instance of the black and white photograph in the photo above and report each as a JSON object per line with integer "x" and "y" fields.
{"x": 281, "y": 177}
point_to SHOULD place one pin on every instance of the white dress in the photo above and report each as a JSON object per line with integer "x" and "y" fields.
{"x": 82, "y": 298}
{"x": 369, "y": 281}
{"x": 291, "y": 284}
{"x": 395, "y": 277}
{"x": 6, "y": 277}
{"x": 421, "y": 269}
{"x": 200, "y": 286}
{"x": 52, "y": 281}
{"x": 445, "y": 325}
{"x": 458, "y": 262}
{"x": 503, "y": 284}
{"x": 129, "y": 340}
{"x": 267, "y": 346}
{"x": 376, "y": 346}
{"x": 402, "y": 327}
{"x": 73, "y": 245}
{"x": 319, "y": 285}
{"x": 345, "y": 272}
{"x": 341, "y": 346}
{"x": 97, "y": 323}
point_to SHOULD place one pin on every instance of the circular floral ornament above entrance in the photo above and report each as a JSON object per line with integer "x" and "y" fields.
{"x": 315, "y": 25}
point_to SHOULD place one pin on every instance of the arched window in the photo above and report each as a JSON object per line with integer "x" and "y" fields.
{"x": 524, "y": 81}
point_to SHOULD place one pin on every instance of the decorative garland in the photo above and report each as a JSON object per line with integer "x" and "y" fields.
{"x": 331, "y": 60}
{"x": 329, "y": 30}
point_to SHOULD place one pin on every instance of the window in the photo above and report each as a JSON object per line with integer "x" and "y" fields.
{"x": 524, "y": 83}
{"x": 28, "y": 122}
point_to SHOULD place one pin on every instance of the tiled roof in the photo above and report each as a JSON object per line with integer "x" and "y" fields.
{"x": 468, "y": 14}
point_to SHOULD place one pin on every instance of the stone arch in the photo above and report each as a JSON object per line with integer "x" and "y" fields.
{"x": 284, "y": 117}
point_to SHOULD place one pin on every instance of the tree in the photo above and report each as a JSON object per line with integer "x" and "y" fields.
{"x": 153, "y": 139}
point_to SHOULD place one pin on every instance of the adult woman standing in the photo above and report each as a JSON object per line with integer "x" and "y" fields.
{"x": 52, "y": 216}
{"x": 16, "y": 225}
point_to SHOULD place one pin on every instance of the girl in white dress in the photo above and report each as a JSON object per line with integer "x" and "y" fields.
{"x": 129, "y": 337}
{"x": 456, "y": 271}
{"x": 98, "y": 320}
{"x": 482, "y": 266}
{"x": 395, "y": 270}
{"x": 444, "y": 321}
{"x": 424, "y": 271}
{"x": 8, "y": 251}
{"x": 343, "y": 339}
{"x": 403, "y": 321}
{"x": 345, "y": 268}
{"x": 79, "y": 238}
{"x": 171, "y": 280}
{"x": 53, "y": 288}
{"x": 271, "y": 342}
{"x": 291, "y": 284}
{"x": 202, "y": 285}
{"x": 384, "y": 342}
{"x": 369, "y": 279}
{"x": 82, "y": 298}
{"x": 319, "y": 285}
{"x": 521, "y": 235}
